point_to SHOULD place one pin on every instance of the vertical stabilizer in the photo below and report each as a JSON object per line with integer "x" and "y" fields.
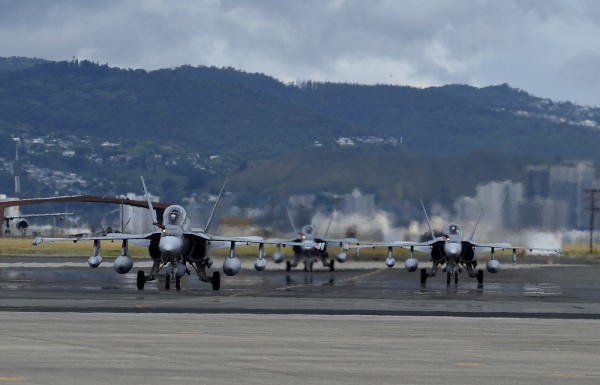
{"x": 287, "y": 209}
{"x": 215, "y": 206}
{"x": 476, "y": 223}
{"x": 427, "y": 218}
{"x": 152, "y": 213}
{"x": 329, "y": 223}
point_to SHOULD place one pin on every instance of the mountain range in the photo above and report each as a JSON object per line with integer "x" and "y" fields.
{"x": 86, "y": 127}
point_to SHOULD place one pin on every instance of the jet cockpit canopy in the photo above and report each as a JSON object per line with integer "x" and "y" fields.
{"x": 308, "y": 231}
{"x": 174, "y": 215}
{"x": 453, "y": 230}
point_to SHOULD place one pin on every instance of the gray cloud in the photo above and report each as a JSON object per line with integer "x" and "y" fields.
{"x": 547, "y": 48}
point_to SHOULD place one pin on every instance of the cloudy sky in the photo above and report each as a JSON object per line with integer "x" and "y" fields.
{"x": 548, "y": 48}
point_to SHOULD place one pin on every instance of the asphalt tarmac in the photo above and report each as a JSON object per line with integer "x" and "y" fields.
{"x": 64, "y": 323}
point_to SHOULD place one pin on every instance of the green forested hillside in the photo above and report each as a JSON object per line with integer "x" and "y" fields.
{"x": 185, "y": 127}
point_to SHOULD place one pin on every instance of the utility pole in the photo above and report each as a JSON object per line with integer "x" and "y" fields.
{"x": 17, "y": 169}
{"x": 593, "y": 210}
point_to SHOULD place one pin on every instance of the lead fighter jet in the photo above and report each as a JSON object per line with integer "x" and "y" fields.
{"x": 174, "y": 247}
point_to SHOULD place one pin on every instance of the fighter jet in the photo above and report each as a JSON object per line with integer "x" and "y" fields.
{"x": 452, "y": 251}
{"x": 174, "y": 247}
{"x": 23, "y": 224}
{"x": 310, "y": 247}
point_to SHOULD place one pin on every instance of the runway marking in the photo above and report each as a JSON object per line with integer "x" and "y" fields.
{"x": 288, "y": 287}
{"x": 14, "y": 378}
{"x": 466, "y": 363}
{"x": 343, "y": 280}
{"x": 566, "y": 375}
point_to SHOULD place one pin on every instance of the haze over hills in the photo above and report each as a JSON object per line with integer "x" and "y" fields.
{"x": 90, "y": 128}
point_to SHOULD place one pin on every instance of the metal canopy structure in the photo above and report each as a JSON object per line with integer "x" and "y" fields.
{"x": 158, "y": 206}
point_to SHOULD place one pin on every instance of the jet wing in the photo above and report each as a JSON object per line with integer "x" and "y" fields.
{"x": 292, "y": 242}
{"x": 221, "y": 240}
{"x": 505, "y": 246}
{"x": 246, "y": 239}
{"x": 36, "y": 215}
{"x": 424, "y": 247}
{"x": 485, "y": 247}
{"x": 109, "y": 236}
{"x": 344, "y": 242}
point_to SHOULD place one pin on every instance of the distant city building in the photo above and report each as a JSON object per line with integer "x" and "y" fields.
{"x": 501, "y": 201}
{"x": 558, "y": 193}
{"x": 357, "y": 202}
{"x": 537, "y": 182}
{"x": 137, "y": 219}
{"x": 552, "y": 198}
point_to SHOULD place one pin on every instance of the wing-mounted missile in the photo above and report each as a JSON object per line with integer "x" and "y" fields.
{"x": 341, "y": 257}
{"x": 278, "y": 256}
{"x": 412, "y": 263}
{"x": 493, "y": 266}
{"x": 232, "y": 264}
{"x": 95, "y": 260}
{"x": 123, "y": 263}
{"x": 261, "y": 262}
{"x": 390, "y": 261}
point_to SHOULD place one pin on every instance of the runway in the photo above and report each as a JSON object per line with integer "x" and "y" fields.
{"x": 356, "y": 288}
{"x": 63, "y": 323}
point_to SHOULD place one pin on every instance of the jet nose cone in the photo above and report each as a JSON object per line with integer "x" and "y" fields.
{"x": 308, "y": 244}
{"x": 170, "y": 246}
{"x": 452, "y": 249}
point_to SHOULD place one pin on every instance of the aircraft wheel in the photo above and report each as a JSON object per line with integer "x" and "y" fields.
{"x": 456, "y": 278}
{"x": 178, "y": 283}
{"x": 215, "y": 280}
{"x": 141, "y": 280}
{"x": 331, "y": 265}
{"x": 423, "y": 276}
{"x": 480, "y": 276}
{"x": 167, "y": 282}
{"x": 288, "y": 266}
{"x": 448, "y": 278}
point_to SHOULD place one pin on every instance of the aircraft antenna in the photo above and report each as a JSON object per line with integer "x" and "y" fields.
{"x": 476, "y": 223}
{"x": 152, "y": 213}
{"x": 287, "y": 209}
{"x": 329, "y": 224}
{"x": 101, "y": 227}
{"x": 215, "y": 206}
{"x": 427, "y": 218}
{"x": 17, "y": 169}
{"x": 593, "y": 210}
